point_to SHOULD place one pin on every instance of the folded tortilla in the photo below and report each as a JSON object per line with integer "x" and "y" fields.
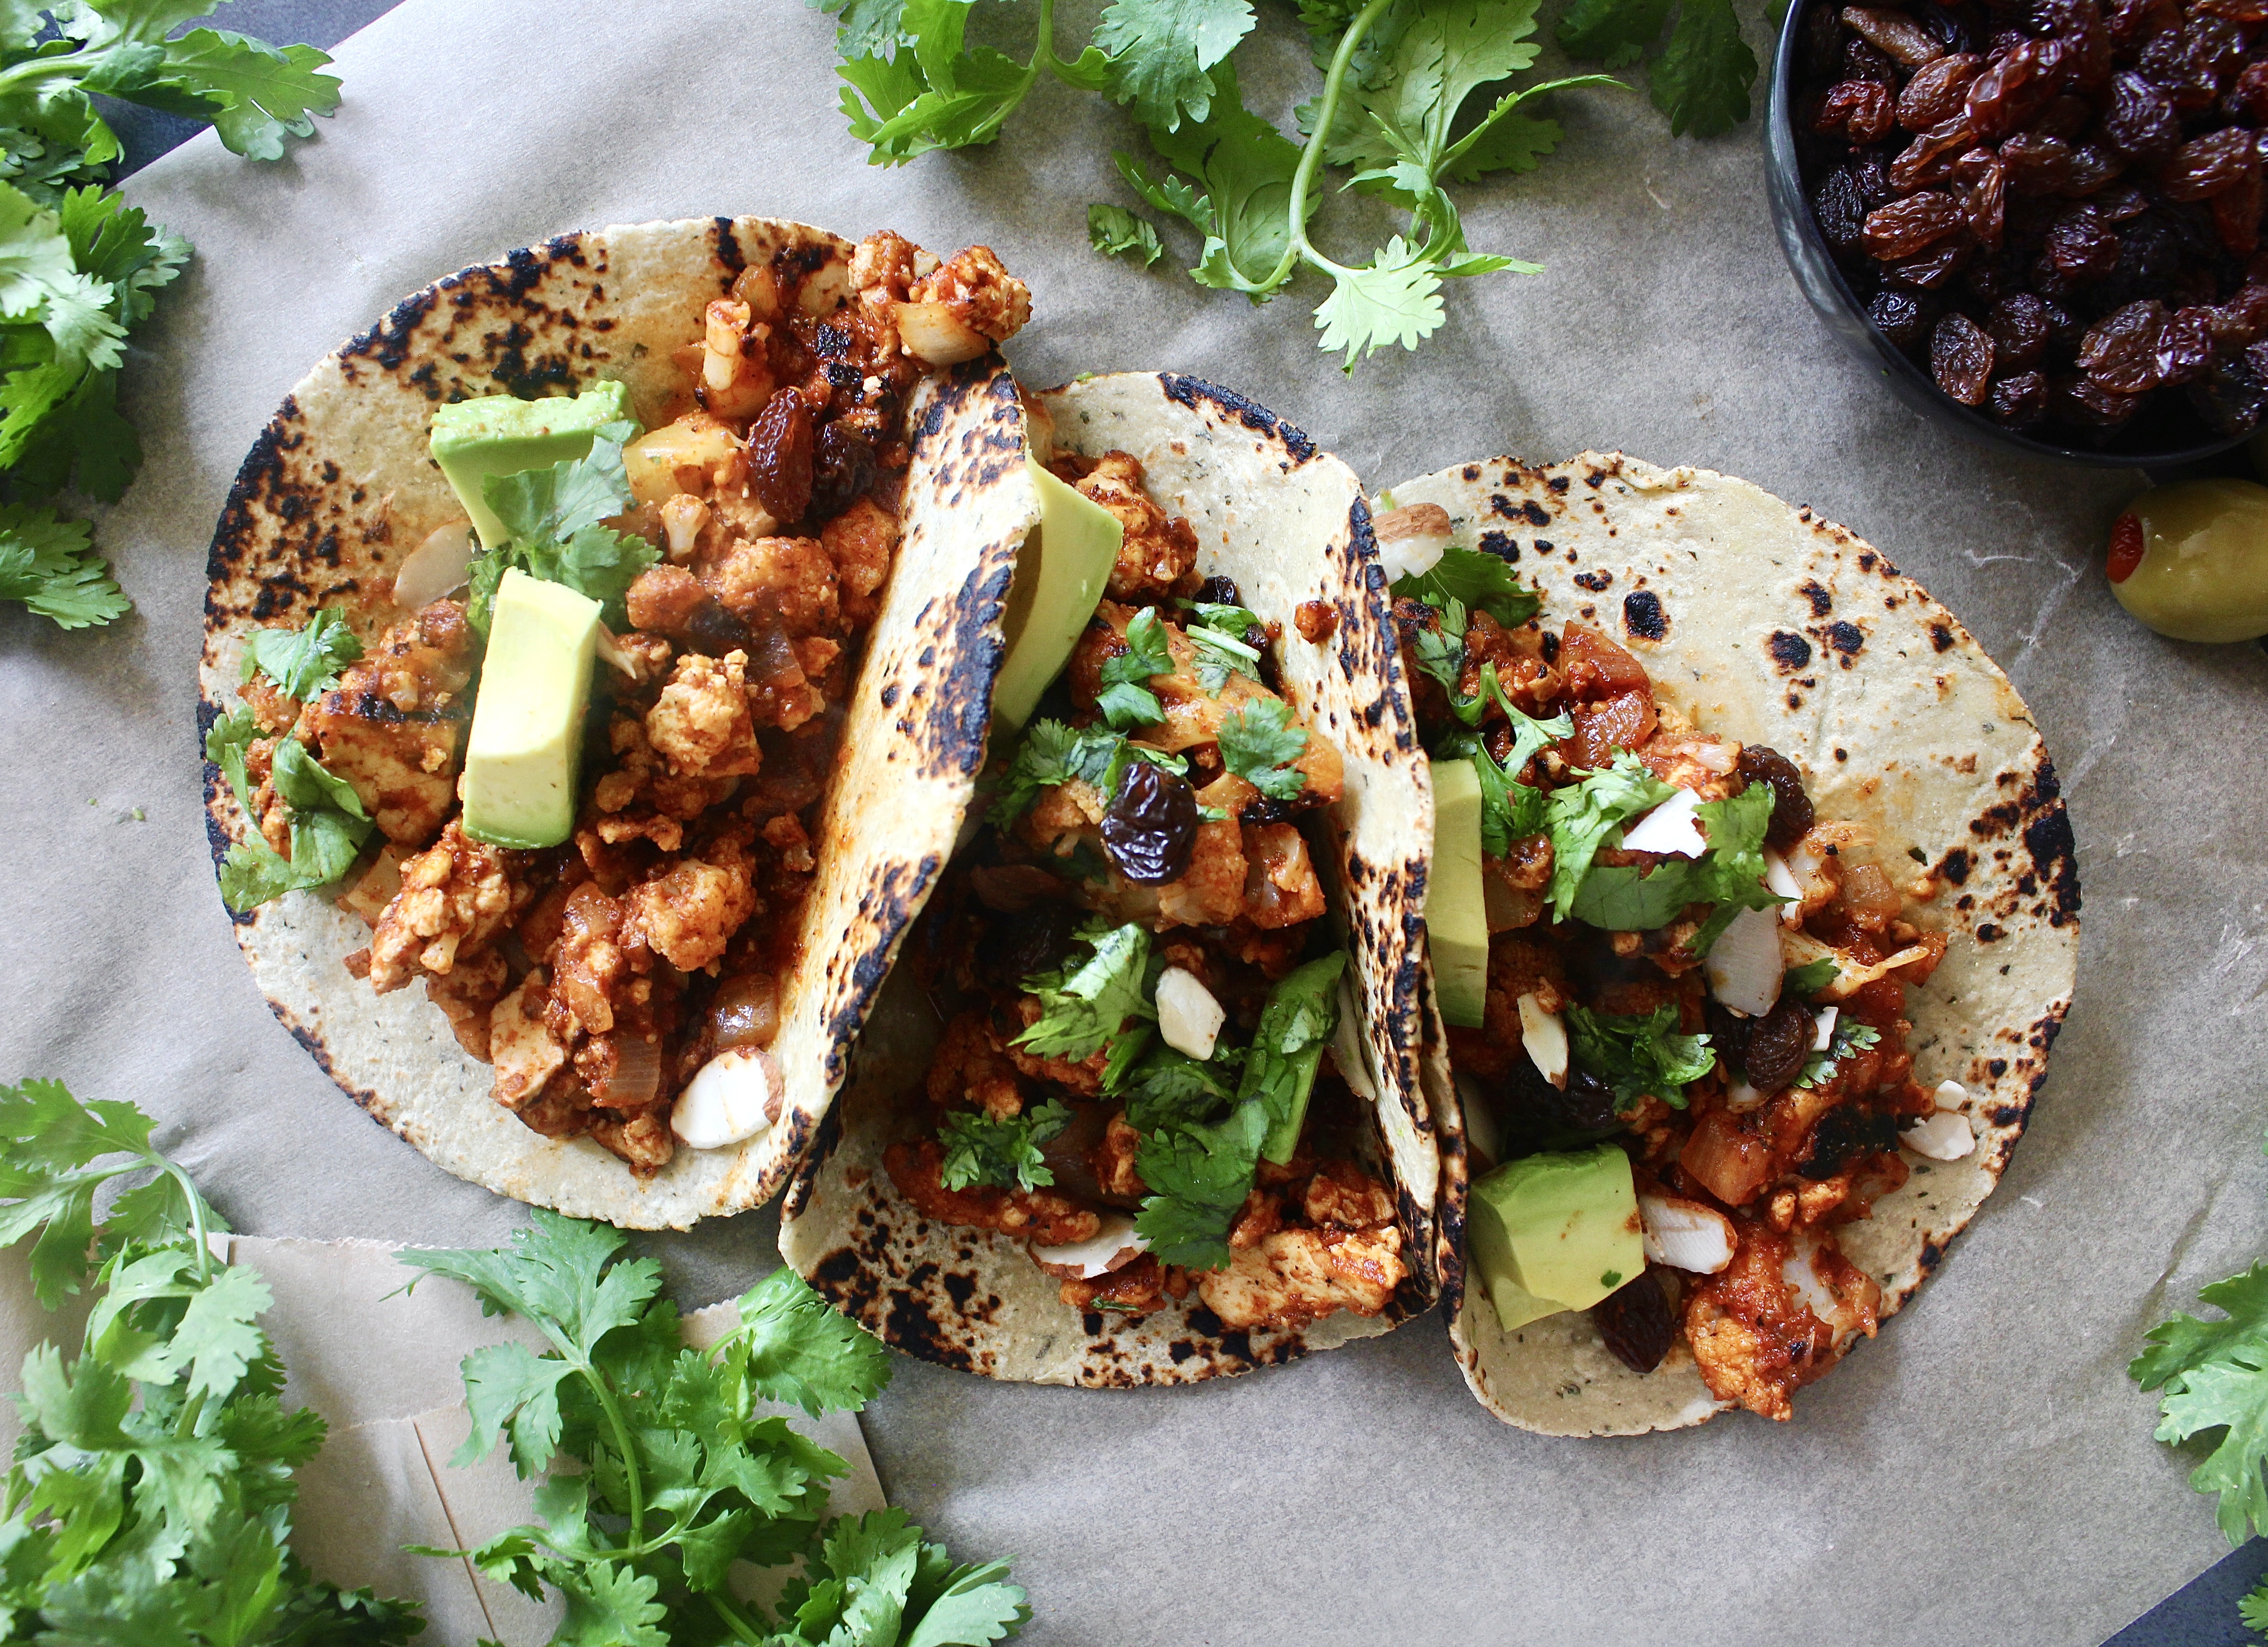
{"x": 339, "y": 488}
{"x": 1759, "y": 620}
{"x": 1287, "y": 522}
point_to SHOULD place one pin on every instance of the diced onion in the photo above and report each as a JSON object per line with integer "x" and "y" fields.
{"x": 1189, "y": 1018}
{"x": 1943, "y": 1135}
{"x": 1412, "y": 540}
{"x": 1950, "y": 1095}
{"x": 1346, "y": 1047}
{"x": 1804, "y": 1282}
{"x": 1685, "y": 1234}
{"x": 1741, "y": 1097}
{"x": 931, "y": 332}
{"x": 1712, "y": 756}
{"x": 435, "y": 567}
{"x": 1778, "y": 877}
{"x": 1112, "y": 1247}
{"x": 1743, "y": 967}
{"x": 1670, "y": 828}
{"x": 1546, "y": 1037}
{"x": 744, "y": 1011}
{"x": 1482, "y": 1135}
{"x": 736, "y": 1096}
{"x": 638, "y": 1073}
{"x": 1822, "y": 1022}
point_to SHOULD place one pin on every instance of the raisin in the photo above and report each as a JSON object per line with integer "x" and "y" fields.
{"x": 1950, "y": 29}
{"x": 1872, "y": 173}
{"x": 1635, "y": 1323}
{"x": 2231, "y": 396}
{"x": 1935, "y": 93}
{"x": 2077, "y": 26}
{"x": 1779, "y": 1042}
{"x": 2065, "y": 117}
{"x": 2185, "y": 347}
{"x": 1857, "y": 110}
{"x": 2120, "y": 203}
{"x": 1929, "y": 159}
{"x": 2204, "y": 166}
{"x": 1905, "y": 226}
{"x": 779, "y": 457}
{"x": 1894, "y": 33}
{"x": 1960, "y": 358}
{"x": 2236, "y": 214}
{"x": 2001, "y": 273}
{"x": 2140, "y": 121}
{"x": 2092, "y": 168}
{"x": 2249, "y": 12}
{"x": 2088, "y": 404}
{"x": 2018, "y": 399}
{"x": 1728, "y": 1031}
{"x": 2036, "y": 164}
{"x": 1985, "y": 201}
{"x": 1019, "y": 944}
{"x": 1864, "y": 60}
{"x": 2011, "y": 91}
{"x": 2149, "y": 259}
{"x": 2132, "y": 20}
{"x": 2120, "y": 351}
{"x": 1791, "y": 813}
{"x": 1821, "y": 44}
{"x": 1840, "y": 210}
{"x": 2243, "y": 319}
{"x": 2189, "y": 64}
{"x": 1926, "y": 271}
{"x": 1587, "y": 1105}
{"x": 2080, "y": 247}
{"x": 1151, "y": 828}
{"x": 1899, "y": 316}
{"x": 2248, "y": 99}
{"x": 715, "y": 631}
{"x": 841, "y": 471}
{"x": 2019, "y": 326}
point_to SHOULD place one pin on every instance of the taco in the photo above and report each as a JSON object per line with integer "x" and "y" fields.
{"x": 600, "y": 643}
{"x": 1143, "y": 1104}
{"x": 1753, "y": 913}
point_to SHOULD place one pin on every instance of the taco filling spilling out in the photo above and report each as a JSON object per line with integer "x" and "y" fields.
{"x": 591, "y": 754}
{"x": 1677, "y": 997}
{"x": 1137, "y": 1079}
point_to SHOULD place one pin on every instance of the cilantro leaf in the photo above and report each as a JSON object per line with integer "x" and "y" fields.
{"x": 1160, "y": 51}
{"x": 1259, "y": 743}
{"x": 801, "y": 1352}
{"x": 1730, "y": 875}
{"x": 1850, "y": 1037}
{"x": 1239, "y": 170}
{"x": 2228, "y": 1393}
{"x": 1580, "y": 815}
{"x": 1808, "y": 979}
{"x": 1053, "y": 753}
{"x": 1617, "y": 32}
{"x": 865, "y": 28}
{"x": 1702, "y": 78}
{"x": 1002, "y": 1152}
{"x": 303, "y": 662}
{"x": 1125, "y": 699}
{"x": 975, "y": 1607}
{"x": 1116, "y": 231}
{"x": 1463, "y": 579}
{"x": 328, "y": 824}
{"x": 1085, "y": 1007}
{"x": 1639, "y": 1056}
{"x": 260, "y": 93}
{"x": 50, "y": 565}
{"x": 557, "y": 520}
{"x": 1168, "y": 1086}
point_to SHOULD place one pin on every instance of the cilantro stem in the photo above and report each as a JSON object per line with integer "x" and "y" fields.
{"x": 605, "y": 1392}
{"x": 742, "y": 1628}
{"x": 1311, "y": 157}
{"x": 196, "y": 1204}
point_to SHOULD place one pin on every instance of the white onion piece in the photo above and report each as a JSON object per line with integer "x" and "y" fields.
{"x": 1778, "y": 877}
{"x": 824, "y": 289}
{"x": 1743, "y": 967}
{"x": 736, "y": 1096}
{"x": 1546, "y": 1037}
{"x": 1712, "y": 756}
{"x": 1796, "y": 1270}
{"x": 1822, "y": 1022}
{"x": 638, "y": 1073}
{"x": 1950, "y": 1095}
{"x": 1943, "y": 1134}
{"x": 1482, "y": 1134}
{"x": 931, "y": 332}
{"x": 1112, "y": 1245}
{"x": 1189, "y": 1018}
{"x": 1670, "y": 828}
{"x": 435, "y": 567}
{"x": 1685, "y": 1234}
{"x": 1741, "y": 1097}
{"x": 1412, "y": 540}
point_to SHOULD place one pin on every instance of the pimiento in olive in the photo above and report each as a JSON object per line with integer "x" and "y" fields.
{"x": 1635, "y": 1322}
{"x": 1790, "y": 814}
{"x": 1151, "y": 826}
{"x": 2192, "y": 560}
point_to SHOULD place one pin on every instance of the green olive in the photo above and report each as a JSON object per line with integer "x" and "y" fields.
{"x": 2192, "y": 560}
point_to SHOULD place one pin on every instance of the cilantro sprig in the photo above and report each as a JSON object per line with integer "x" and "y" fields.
{"x": 79, "y": 268}
{"x": 1053, "y": 753}
{"x": 1850, "y": 1038}
{"x": 1580, "y": 815}
{"x": 152, "y": 1493}
{"x": 1639, "y": 1055}
{"x": 676, "y": 1477}
{"x": 556, "y": 519}
{"x": 1125, "y": 700}
{"x": 1259, "y": 743}
{"x": 1729, "y": 875}
{"x": 1002, "y": 1152}
{"x": 1085, "y": 1004}
{"x": 1700, "y": 77}
{"x": 1464, "y": 580}
{"x": 1414, "y": 96}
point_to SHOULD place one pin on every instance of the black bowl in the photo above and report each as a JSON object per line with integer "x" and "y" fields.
{"x": 2161, "y": 436}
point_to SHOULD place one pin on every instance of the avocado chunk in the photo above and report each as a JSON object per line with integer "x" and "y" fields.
{"x": 1060, "y": 573}
{"x": 499, "y": 435}
{"x": 1556, "y": 1231}
{"x": 526, "y": 743}
{"x": 1456, "y": 907}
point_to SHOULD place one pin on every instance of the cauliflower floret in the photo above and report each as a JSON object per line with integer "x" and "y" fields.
{"x": 701, "y": 723}
{"x": 789, "y": 581}
{"x": 687, "y": 916}
{"x": 455, "y": 896}
{"x": 1295, "y": 1276}
{"x": 861, "y": 541}
{"x": 1157, "y": 550}
{"x": 981, "y": 293}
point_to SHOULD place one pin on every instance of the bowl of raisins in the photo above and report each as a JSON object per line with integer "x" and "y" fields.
{"x": 2043, "y": 219}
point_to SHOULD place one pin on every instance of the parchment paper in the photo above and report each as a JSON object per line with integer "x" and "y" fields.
{"x": 1982, "y": 1472}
